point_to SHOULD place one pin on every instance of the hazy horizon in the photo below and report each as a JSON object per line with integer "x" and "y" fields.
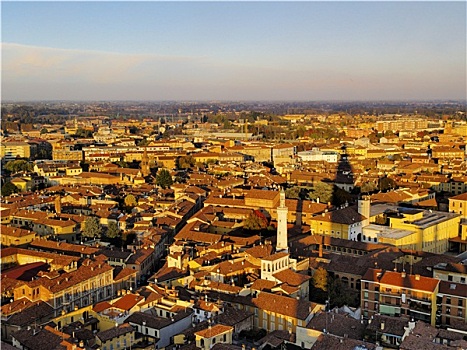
{"x": 233, "y": 51}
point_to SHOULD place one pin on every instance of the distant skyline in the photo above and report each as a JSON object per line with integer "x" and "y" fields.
{"x": 233, "y": 50}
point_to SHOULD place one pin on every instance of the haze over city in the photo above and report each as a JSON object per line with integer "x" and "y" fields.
{"x": 233, "y": 50}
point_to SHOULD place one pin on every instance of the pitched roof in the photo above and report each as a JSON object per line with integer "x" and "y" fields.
{"x": 115, "y": 332}
{"x": 283, "y": 305}
{"x": 127, "y": 302}
{"x": 408, "y": 281}
{"x": 348, "y": 215}
{"x": 292, "y": 278}
{"x": 214, "y": 330}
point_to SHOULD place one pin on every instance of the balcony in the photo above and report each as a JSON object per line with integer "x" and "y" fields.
{"x": 420, "y": 299}
{"x": 390, "y": 302}
{"x": 390, "y": 310}
{"x": 419, "y": 307}
{"x": 391, "y": 294}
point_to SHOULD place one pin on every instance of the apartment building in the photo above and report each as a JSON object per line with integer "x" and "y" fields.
{"x": 11, "y": 150}
{"x": 399, "y": 294}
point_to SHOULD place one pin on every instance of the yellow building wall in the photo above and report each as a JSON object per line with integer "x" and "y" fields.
{"x": 74, "y": 316}
{"x": 433, "y": 239}
{"x": 329, "y": 228}
{"x": 16, "y": 241}
{"x": 208, "y": 342}
{"x": 406, "y": 242}
{"x": 118, "y": 342}
{"x": 458, "y": 206}
{"x": 274, "y": 321}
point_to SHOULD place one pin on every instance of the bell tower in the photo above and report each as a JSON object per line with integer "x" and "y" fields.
{"x": 145, "y": 171}
{"x": 282, "y": 211}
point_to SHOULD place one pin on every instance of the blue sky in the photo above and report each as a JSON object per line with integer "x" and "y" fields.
{"x": 233, "y": 50}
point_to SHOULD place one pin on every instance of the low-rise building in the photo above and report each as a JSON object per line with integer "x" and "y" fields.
{"x": 122, "y": 336}
{"x": 207, "y": 338}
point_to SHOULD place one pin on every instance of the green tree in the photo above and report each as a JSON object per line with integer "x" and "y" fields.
{"x": 293, "y": 192}
{"x": 320, "y": 279}
{"x": 386, "y": 183}
{"x": 340, "y": 294}
{"x": 185, "y": 162}
{"x": 322, "y": 191}
{"x": 130, "y": 200}
{"x": 83, "y": 133}
{"x": 122, "y": 164}
{"x": 8, "y": 188}
{"x": 18, "y": 165}
{"x": 112, "y": 230}
{"x": 44, "y": 131}
{"x": 368, "y": 187}
{"x": 301, "y": 130}
{"x": 340, "y": 196}
{"x": 256, "y": 221}
{"x": 164, "y": 179}
{"x": 92, "y": 227}
{"x": 142, "y": 142}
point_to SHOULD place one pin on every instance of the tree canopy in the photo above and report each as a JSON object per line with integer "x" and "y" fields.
{"x": 112, "y": 230}
{"x": 320, "y": 279}
{"x": 92, "y": 227}
{"x": 322, "y": 191}
{"x": 386, "y": 183}
{"x": 18, "y": 165}
{"x": 256, "y": 221}
{"x": 164, "y": 179}
{"x": 8, "y": 188}
{"x": 83, "y": 133}
{"x": 130, "y": 200}
{"x": 185, "y": 162}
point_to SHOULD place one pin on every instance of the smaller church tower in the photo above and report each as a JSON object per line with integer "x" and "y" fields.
{"x": 145, "y": 163}
{"x": 58, "y": 204}
{"x": 364, "y": 206}
{"x": 282, "y": 211}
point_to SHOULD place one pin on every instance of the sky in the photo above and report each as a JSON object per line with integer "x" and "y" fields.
{"x": 298, "y": 51}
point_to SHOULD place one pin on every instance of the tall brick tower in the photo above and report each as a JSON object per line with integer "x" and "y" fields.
{"x": 145, "y": 163}
{"x": 282, "y": 211}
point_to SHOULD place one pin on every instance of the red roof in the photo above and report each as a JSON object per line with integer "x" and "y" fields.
{"x": 25, "y": 272}
{"x": 104, "y": 305}
{"x": 399, "y": 279}
{"x": 127, "y": 302}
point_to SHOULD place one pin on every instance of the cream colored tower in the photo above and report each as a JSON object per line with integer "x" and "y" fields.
{"x": 282, "y": 211}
